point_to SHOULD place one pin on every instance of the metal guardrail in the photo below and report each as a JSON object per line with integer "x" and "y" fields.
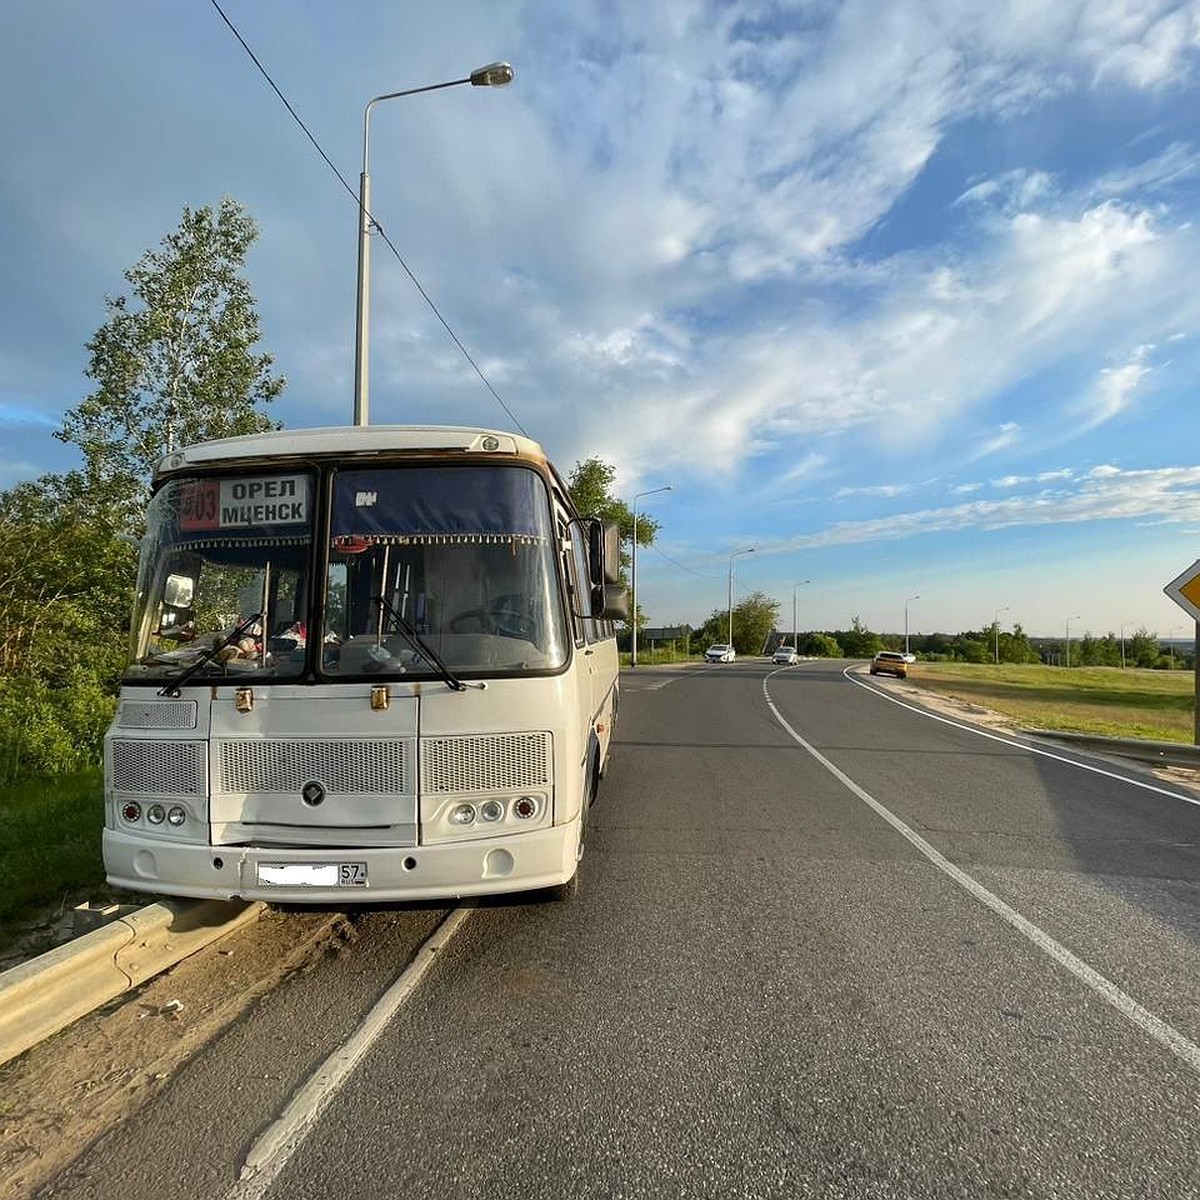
{"x": 47, "y": 993}
{"x": 1165, "y": 754}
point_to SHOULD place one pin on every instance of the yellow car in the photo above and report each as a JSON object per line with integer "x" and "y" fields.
{"x": 890, "y": 662}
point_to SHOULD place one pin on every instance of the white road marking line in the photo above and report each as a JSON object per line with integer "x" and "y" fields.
{"x": 993, "y": 737}
{"x": 275, "y": 1146}
{"x": 1166, "y": 1035}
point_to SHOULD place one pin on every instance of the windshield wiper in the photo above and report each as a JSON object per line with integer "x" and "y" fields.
{"x": 172, "y": 688}
{"x": 415, "y": 640}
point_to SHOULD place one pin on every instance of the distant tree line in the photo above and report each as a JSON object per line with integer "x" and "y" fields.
{"x": 755, "y": 631}
{"x": 990, "y": 644}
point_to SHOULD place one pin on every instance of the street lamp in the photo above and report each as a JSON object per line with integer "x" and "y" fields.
{"x": 795, "y": 629}
{"x": 906, "y": 620}
{"x": 496, "y": 74}
{"x": 996, "y": 626}
{"x": 1171, "y": 642}
{"x": 735, "y": 554}
{"x": 1076, "y": 617}
{"x": 633, "y": 570}
{"x": 1123, "y": 625}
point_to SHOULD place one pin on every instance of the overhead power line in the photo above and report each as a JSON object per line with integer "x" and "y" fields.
{"x": 698, "y": 574}
{"x": 370, "y": 216}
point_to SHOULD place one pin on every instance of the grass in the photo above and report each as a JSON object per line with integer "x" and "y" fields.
{"x": 659, "y": 655}
{"x": 49, "y": 841}
{"x": 1106, "y": 701}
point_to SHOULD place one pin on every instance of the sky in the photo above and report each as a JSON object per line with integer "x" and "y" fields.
{"x": 903, "y": 295}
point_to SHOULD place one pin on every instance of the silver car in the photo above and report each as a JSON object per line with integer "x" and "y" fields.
{"x": 785, "y": 656}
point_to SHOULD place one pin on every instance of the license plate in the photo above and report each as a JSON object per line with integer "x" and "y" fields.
{"x": 328, "y": 875}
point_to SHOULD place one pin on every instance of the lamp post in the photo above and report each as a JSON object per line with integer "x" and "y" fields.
{"x": 496, "y": 74}
{"x": 1123, "y": 625}
{"x": 795, "y": 629}
{"x": 906, "y": 620}
{"x": 633, "y": 571}
{"x": 1171, "y": 642}
{"x": 1076, "y": 617}
{"x": 996, "y": 626}
{"x": 735, "y": 554}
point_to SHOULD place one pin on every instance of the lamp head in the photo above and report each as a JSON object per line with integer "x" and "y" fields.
{"x": 497, "y": 74}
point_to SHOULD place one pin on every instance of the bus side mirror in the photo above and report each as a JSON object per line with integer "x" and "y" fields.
{"x": 610, "y": 602}
{"x": 604, "y": 552}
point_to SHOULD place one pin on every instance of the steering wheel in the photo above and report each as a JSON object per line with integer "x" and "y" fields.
{"x": 501, "y": 617}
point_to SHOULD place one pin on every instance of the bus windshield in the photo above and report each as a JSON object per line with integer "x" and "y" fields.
{"x": 421, "y": 563}
{"x": 460, "y": 557}
{"x": 224, "y": 556}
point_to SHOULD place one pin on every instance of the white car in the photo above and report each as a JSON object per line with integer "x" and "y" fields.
{"x": 785, "y": 656}
{"x": 720, "y": 653}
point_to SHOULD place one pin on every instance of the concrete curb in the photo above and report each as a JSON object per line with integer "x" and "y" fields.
{"x": 47, "y": 993}
{"x": 1165, "y": 754}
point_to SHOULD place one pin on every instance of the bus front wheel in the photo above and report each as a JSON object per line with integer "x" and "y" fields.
{"x": 570, "y": 887}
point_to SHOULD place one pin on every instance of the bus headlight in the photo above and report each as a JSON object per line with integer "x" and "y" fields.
{"x": 176, "y": 815}
{"x": 491, "y": 810}
{"x": 462, "y": 814}
{"x": 156, "y": 814}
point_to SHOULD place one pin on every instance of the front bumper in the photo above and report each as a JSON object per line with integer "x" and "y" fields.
{"x": 520, "y": 862}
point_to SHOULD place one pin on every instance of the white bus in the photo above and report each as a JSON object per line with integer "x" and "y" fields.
{"x": 366, "y": 664}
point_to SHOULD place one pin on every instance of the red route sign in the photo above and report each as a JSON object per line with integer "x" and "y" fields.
{"x": 1184, "y": 589}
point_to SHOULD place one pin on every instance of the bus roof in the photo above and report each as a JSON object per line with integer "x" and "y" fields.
{"x": 348, "y": 440}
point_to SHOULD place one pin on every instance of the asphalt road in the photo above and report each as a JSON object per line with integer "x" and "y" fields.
{"x": 825, "y": 946}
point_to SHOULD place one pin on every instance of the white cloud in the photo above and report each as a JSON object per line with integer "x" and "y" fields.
{"x": 1015, "y": 190}
{"x": 1178, "y": 164}
{"x": 1005, "y": 437}
{"x": 1114, "y": 389}
{"x": 1153, "y": 52}
{"x": 886, "y": 490}
{"x": 1170, "y": 494}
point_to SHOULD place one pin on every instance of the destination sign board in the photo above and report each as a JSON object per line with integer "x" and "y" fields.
{"x": 244, "y": 503}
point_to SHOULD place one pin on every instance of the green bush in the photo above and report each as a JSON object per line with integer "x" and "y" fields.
{"x": 46, "y": 731}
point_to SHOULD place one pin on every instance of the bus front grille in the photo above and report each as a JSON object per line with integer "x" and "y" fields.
{"x": 341, "y": 767}
{"x": 486, "y": 763}
{"x": 157, "y": 768}
{"x": 156, "y": 714}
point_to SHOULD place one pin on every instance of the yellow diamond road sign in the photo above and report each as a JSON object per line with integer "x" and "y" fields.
{"x": 1185, "y": 590}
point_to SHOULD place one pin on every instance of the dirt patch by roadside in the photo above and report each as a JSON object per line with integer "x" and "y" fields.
{"x": 60, "y": 1096}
